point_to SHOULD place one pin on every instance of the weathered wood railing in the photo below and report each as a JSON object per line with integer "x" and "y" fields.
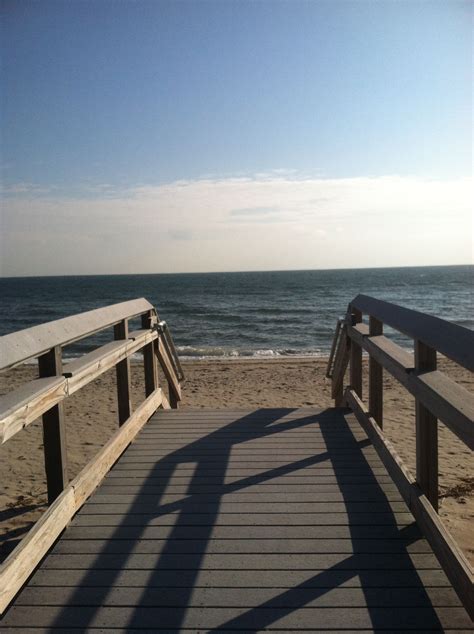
{"x": 45, "y": 396}
{"x": 436, "y": 397}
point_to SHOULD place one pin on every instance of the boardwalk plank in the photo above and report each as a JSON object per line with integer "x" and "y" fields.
{"x": 242, "y": 618}
{"x": 239, "y": 561}
{"x": 409, "y": 533}
{"x": 247, "y": 597}
{"x": 239, "y": 519}
{"x": 432, "y": 578}
{"x": 195, "y": 505}
{"x": 242, "y": 521}
{"x": 290, "y": 495}
{"x": 243, "y": 546}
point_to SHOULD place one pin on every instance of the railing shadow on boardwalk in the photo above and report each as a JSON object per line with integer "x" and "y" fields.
{"x": 259, "y": 424}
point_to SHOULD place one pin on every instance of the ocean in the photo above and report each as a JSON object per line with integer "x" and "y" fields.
{"x": 229, "y": 315}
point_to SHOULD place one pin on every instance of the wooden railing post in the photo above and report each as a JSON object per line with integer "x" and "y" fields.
{"x": 174, "y": 403}
{"x": 375, "y": 377}
{"x": 122, "y": 370}
{"x": 341, "y": 361}
{"x": 330, "y": 368}
{"x": 54, "y": 430}
{"x": 356, "y": 357}
{"x": 426, "y": 431}
{"x": 149, "y": 358}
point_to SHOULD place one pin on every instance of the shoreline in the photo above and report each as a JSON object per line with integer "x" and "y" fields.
{"x": 91, "y": 418}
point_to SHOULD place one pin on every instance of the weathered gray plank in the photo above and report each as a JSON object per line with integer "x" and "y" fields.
{"x": 143, "y": 473}
{"x": 372, "y": 490}
{"x": 239, "y": 519}
{"x": 236, "y": 451}
{"x": 245, "y": 579}
{"x": 247, "y": 503}
{"x": 340, "y": 465}
{"x": 133, "y": 630}
{"x": 243, "y": 546}
{"x": 253, "y": 443}
{"x": 356, "y": 562}
{"x": 392, "y": 532}
{"x": 321, "y": 467}
{"x": 156, "y": 486}
{"x": 236, "y": 505}
{"x": 243, "y": 597}
{"x": 250, "y": 619}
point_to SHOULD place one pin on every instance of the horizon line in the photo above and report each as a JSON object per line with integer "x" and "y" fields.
{"x": 345, "y": 268}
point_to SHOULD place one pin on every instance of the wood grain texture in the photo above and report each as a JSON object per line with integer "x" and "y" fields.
{"x": 32, "y": 342}
{"x": 16, "y": 569}
{"x": 22, "y": 406}
{"x": 85, "y": 369}
{"x": 455, "y": 342}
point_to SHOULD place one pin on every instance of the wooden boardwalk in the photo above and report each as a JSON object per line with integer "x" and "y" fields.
{"x": 242, "y": 520}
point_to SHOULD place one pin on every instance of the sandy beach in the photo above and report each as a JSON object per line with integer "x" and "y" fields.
{"x": 91, "y": 417}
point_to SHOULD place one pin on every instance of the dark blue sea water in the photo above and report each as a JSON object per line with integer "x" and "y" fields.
{"x": 242, "y": 314}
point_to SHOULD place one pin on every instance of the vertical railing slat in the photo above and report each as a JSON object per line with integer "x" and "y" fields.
{"x": 340, "y": 364}
{"x": 122, "y": 370}
{"x": 54, "y": 430}
{"x": 375, "y": 377}
{"x": 356, "y": 358}
{"x": 174, "y": 403}
{"x": 149, "y": 358}
{"x": 426, "y": 431}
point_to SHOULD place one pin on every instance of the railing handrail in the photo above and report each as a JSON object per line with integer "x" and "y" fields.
{"x": 437, "y": 397}
{"x": 57, "y": 381}
{"x": 451, "y": 340}
{"x": 44, "y": 396}
{"x": 29, "y": 343}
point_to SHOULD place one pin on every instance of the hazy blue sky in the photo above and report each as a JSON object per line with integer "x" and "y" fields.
{"x": 235, "y": 135}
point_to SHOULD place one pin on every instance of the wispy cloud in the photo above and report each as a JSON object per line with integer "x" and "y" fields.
{"x": 254, "y": 211}
{"x": 180, "y": 234}
{"x": 27, "y": 189}
{"x": 281, "y": 220}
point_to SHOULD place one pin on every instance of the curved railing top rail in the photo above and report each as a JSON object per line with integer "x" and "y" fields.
{"x": 33, "y": 342}
{"x": 451, "y": 340}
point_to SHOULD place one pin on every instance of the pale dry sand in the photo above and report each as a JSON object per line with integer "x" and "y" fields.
{"x": 91, "y": 416}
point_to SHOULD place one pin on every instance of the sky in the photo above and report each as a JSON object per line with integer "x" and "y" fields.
{"x": 148, "y": 137}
